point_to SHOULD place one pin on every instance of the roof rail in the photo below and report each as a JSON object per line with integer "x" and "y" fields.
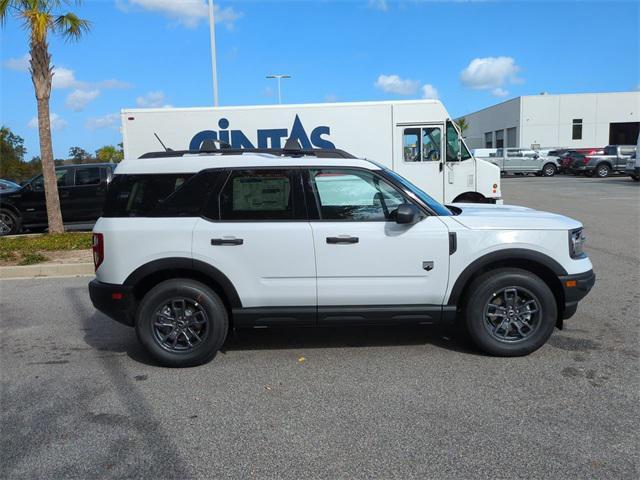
{"x": 283, "y": 152}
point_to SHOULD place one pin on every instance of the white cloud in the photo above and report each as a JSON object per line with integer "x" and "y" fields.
{"x": 186, "y": 12}
{"x": 429, "y": 91}
{"x": 490, "y": 73}
{"x": 153, "y": 99}
{"x": 395, "y": 84}
{"x": 78, "y": 99}
{"x": 64, "y": 78}
{"x": 379, "y": 5}
{"x": 113, "y": 83}
{"x": 18, "y": 64}
{"x": 330, "y": 98}
{"x": 57, "y": 123}
{"x": 110, "y": 120}
{"x": 499, "y": 92}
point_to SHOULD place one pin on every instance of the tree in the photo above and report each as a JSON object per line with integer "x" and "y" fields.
{"x": 11, "y": 153}
{"x": 39, "y": 19}
{"x": 110, "y": 154}
{"x": 462, "y": 125}
{"x": 79, "y": 155}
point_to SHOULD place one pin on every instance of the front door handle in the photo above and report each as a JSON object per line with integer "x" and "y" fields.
{"x": 345, "y": 239}
{"x": 227, "y": 241}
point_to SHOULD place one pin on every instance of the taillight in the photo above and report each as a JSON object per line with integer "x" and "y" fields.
{"x": 98, "y": 249}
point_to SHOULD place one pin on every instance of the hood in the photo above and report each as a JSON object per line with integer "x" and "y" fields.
{"x": 480, "y": 216}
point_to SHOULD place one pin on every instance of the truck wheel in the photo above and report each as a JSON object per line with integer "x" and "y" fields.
{"x": 9, "y": 223}
{"x": 510, "y": 312}
{"x": 603, "y": 170}
{"x": 549, "y": 170}
{"x": 182, "y": 323}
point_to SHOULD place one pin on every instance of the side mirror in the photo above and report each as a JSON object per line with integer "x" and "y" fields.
{"x": 407, "y": 213}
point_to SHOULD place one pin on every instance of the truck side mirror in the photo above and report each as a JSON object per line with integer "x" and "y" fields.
{"x": 407, "y": 213}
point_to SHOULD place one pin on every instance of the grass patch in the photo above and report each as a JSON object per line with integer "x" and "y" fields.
{"x": 43, "y": 243}
{"x": 31, "y": 258}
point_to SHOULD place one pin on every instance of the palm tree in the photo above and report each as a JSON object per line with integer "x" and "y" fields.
{"x": 39, "y": 18}
{"x": 462, "y": 125}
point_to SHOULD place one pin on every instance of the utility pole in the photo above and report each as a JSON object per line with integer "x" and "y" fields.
{"x": 279, "y": 78}
{"x": 214, "y": 67}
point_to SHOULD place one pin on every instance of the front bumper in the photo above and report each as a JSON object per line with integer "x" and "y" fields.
{"x": 115, "y": 301}
{"x": 575, "y": 288}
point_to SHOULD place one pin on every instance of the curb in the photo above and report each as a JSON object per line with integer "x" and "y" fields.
{"x": 47, "y": 270}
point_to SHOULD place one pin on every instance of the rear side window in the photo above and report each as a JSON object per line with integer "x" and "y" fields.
{"x": 142, "y": 195}
{"x": 87, "y": 176}
{"x": 259, "y": 195}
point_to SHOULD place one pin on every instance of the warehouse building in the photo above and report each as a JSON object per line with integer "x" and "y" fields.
{"x": 545, "y": 120}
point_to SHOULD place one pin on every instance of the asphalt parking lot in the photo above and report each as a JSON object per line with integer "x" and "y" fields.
{"x": 80, "y": 399}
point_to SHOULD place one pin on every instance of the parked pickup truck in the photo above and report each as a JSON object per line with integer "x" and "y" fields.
{"x": 519, "y": 160}
{"x": 613, "y": 159}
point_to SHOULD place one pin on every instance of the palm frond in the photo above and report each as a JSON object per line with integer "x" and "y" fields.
{"x": 71, "y": 26}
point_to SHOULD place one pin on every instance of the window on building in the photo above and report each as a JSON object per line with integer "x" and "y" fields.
{"x": 499, "y": 138}
{"x": 488, "y": 140}
{"x": 576, "y": 132}
{"x": 511, "y": 137}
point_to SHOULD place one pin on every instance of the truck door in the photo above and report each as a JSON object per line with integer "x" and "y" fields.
{"x": 419, "y": 154}
{"x": 460, "y": 166}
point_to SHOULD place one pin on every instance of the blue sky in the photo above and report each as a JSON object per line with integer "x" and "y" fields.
{"x": 468, "y": 54}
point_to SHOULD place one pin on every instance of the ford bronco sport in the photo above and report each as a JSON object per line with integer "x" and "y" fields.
{"x": 192, "y": 244}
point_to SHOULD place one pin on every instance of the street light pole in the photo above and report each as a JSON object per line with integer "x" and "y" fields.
{"x": 214, "y": 67}
{"x": 279, "y": 78}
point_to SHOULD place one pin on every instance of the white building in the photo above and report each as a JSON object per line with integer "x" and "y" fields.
{"x": 570, "y": 120}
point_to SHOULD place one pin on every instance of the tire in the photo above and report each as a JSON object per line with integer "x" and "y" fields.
{"x": 9, "y": 223}
{"x": 603, "y": 170}
{"x": 205, "y": 328}
{"x": 549, "y": 170}
{"x": 636, "y": 178}
{"x": 487, "y": 294}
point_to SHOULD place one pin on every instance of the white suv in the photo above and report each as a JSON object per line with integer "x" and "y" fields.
{"x": 191, "y": 245}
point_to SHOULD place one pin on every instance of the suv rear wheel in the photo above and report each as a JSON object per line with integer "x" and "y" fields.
{"x": 182, "y": 323}
{"x": 510, "y": 312}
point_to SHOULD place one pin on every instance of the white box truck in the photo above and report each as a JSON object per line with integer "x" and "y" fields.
{"x": 416, "y": 138}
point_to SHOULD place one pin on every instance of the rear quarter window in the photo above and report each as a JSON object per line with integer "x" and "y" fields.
{"x": 148, "y": 196}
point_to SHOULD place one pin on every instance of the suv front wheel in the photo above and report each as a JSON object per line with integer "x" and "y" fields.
{"x": 182, "y": 323}
{"x": 511, "y": 312}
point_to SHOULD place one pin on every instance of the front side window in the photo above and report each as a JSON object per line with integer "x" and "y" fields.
{"x": 64, "y": 178}
{"x": 354, "y": 195}
{"x": 87, "y": 176}
{"x": 258, "y": 195}
{"x": 456, "y": 149}
{"x": 421, "y": 144}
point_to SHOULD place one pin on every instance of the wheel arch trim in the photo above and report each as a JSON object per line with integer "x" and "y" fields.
{"x": 512, "y": 254}
{"x": 182, "y": 263}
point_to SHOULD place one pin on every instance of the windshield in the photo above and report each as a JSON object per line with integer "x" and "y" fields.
{"x": 437, "y": 207}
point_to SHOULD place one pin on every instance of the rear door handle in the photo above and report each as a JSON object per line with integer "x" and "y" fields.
{"x": 227, "y": 241}
{"x": 345, "y": 239}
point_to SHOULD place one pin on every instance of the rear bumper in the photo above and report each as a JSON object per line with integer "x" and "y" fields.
{"x": 575, "y": 288}
{"x": 115, "y": 301}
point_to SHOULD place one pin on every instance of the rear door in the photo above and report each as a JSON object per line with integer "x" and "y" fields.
{"x": 86, "y": 198}
{"x": 420, "y": 150}
{"x": 363, "y": 257}
{"x": 256, "y": 231}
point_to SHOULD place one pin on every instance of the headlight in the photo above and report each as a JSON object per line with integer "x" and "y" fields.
{"x": 576, "y": 243}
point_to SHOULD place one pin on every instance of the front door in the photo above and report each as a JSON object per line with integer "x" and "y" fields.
{"x": 460, "y": 167}
{"x": 256, "y": 231}
{"x": 34, "y": 206}
{"x": 365, "y": 258}
{"x": 419, "y": 157}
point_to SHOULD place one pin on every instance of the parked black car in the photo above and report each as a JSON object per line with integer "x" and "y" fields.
{"x": 82, "y": 190}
